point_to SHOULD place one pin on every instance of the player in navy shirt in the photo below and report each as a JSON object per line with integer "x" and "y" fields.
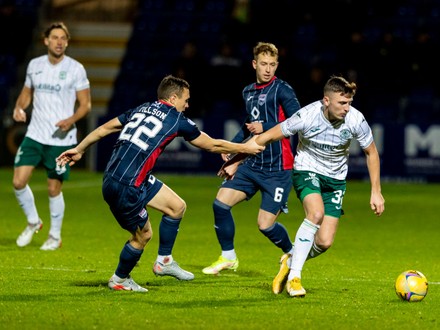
{"x": 128, "y": 185}
{"x": 269, "y": 101}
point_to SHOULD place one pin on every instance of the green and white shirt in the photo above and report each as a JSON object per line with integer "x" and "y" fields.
{"x": 54, "y": 96}
{"x": 323, "y": 147}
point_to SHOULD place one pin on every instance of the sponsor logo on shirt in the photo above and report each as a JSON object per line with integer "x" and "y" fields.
{"x": 48, "y": 88}
{"x": 255, "y": 113}
{"x": 323, "y": 146}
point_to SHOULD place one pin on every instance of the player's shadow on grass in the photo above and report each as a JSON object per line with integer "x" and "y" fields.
{"x": 90, "y": 284}
{"x": 9, "y": 243}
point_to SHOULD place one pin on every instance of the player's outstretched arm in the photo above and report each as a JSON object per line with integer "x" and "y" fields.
{"x": 377, "y": 202}
{"x": 73, "y": 155}
{"x": 205, "y": 142}
{"x": 272, "y": 135}
{"x": 229, "y": 168}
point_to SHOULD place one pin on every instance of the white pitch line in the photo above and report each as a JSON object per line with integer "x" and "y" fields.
{"x": 350, "y": 279}
{"x": 69, "y": 185}
{"x": 64, "y": 269}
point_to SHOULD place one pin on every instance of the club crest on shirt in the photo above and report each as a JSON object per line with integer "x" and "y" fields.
{"x": 262, "y": 99}
{"x": 63, "y": 75}
{"x": 345, "y": 134}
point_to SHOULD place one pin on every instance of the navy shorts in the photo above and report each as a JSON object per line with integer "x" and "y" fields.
{"x": 274, "y": 186}
{"x": 128, "y": 203}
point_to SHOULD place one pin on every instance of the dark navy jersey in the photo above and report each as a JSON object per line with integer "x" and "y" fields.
{"x": 146, "y": 131}
{"x": 269, "y": 104}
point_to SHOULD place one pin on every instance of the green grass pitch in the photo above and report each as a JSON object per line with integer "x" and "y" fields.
{"x": 351, "y": 286}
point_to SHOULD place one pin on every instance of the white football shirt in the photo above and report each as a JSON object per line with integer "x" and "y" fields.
{"x": 323, "y": 147}
{"x": 54, "y": 96}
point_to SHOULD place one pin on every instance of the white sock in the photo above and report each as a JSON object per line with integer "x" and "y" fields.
{"x": 305, "y": 236}
{"x": 118, "y": 279}
{"x": 165, "y": 260}
{"x": 231, "y": 255}
{"x": 26, "y": 200}
{"x": 56, "y": 206}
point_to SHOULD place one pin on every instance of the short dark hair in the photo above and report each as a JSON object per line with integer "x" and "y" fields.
{"x": 338, "y": 84}
{"x": 56, "y": 25}
{"x": 171, "y": 85}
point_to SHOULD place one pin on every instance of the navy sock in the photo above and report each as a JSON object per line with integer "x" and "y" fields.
{"x": 278, "y": 236}
{"x": 127, "y": 260}
{"x": 168, "y": 229}
{"x": 224, "y": 225}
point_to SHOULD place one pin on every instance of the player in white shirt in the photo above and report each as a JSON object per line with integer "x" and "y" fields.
{"x": 54, "y": 83}
{"x": 325, "y": 129}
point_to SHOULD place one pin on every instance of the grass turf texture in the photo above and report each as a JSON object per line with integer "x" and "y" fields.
{"x": 351, "y": 286}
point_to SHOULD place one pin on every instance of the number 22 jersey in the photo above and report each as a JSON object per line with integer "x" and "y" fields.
{"x": 146, "y": 131}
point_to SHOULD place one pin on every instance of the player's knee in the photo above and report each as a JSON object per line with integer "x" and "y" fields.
{"x": 316, "y": 216}
{"x": 54, "y": 188}
{"x": 146, "y": 237}
{"x": 265, "y": 224}
{"x": 220, "y": 208}
{"x": 178, "y": 211}
{"x": 142, "y": 237}
{"x": 18, "y": 183}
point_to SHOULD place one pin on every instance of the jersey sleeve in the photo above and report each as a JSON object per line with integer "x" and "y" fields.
{"x": 82, "y": 82}
{"x": 125, "y": 117}
{"x": 292, "y": 125}
{"x": 188, "y": 129}
{"x": 28, "y": 79}
{"x": 363, "y": 132}
{"x": 288, "y": 100}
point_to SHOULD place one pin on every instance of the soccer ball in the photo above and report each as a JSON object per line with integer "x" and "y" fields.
{"x": 411, "y": 286}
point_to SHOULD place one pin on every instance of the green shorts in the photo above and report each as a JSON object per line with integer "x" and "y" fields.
{"x": 331, "y": 190}
{"x": 33, "y": 153}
